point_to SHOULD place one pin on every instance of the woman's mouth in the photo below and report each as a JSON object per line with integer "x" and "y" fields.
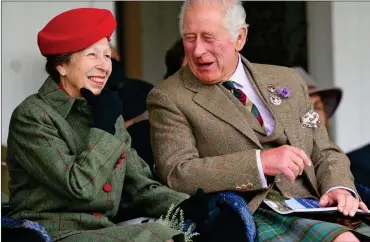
{"x": 97, "y": 80}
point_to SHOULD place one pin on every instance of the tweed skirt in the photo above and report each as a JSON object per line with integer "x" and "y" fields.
{"x": 272, "y": 226}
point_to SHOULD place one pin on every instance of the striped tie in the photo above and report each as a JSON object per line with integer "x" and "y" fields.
{"x": 239, "y": 94}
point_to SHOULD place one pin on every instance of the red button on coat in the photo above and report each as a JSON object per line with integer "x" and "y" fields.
{"x": 97, "y": 214}
{"x": 107, "y": 187}
{"x": 116, "y": 166}
{"x": 120, "y": 161}
{"x": 123, "y": 156}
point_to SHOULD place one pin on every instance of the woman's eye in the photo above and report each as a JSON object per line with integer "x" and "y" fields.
{"x": 108, "y": 56}
{"x": 91, "y": 54}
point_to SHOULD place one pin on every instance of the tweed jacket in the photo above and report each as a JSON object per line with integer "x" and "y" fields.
{"x": 202, "y": 136}
{"x": 72, "y": 178}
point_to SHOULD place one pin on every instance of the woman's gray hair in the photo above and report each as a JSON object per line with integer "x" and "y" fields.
{"x": 234, "y": 17}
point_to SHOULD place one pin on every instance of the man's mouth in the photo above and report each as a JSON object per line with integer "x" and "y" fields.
{"x": 205, "y": 64}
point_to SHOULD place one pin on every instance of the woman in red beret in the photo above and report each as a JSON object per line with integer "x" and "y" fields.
{"x": 70, "y": 157}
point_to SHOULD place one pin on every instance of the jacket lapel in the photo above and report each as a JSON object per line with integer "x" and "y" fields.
{"x": 218, "y": 102}
{"x": 281, "y": 114}
{"x": 260, "y": 83}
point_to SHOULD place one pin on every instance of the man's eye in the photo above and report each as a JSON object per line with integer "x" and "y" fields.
{"x": 189, "y": 38}
{"x": 91, "y": 54}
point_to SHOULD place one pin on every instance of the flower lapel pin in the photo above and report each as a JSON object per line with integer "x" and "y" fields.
{"x": 275, "y": 97}
{"x": 284, "y": 92}
{"x": 310, "y": 120}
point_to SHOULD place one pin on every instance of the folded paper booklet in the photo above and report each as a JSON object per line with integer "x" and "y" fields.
{"x": 284, "y": 205}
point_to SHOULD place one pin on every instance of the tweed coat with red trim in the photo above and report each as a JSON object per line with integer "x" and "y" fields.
{"x": 70, "y": 177}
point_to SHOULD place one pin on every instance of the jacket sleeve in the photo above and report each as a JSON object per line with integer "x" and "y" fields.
{"x": 142, "y": 193}
{"x": 178, "y": 162}
{"x": 35, "y": 143}
{"x": 332, "y": 166}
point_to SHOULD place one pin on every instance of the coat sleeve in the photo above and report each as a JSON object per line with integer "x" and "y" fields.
{"x": 35, "y": 143}
{"x": 178, "y": 162}
{"x": 332, "y": 166}
{"x": 143, "y": 193}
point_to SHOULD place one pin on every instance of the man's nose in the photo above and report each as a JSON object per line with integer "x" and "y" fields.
{"x": 199, "y": 49}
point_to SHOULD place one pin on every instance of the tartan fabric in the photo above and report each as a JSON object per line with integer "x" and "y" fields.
{"x": 71, "y": 178}
{"x": 272, "y": 226}
{"x": 239, "y": 94}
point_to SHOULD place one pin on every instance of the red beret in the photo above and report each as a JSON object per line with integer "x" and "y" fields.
{"x": 75, "y": 30}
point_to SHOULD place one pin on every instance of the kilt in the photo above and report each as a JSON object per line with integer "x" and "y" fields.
{"x": 272, "y": 226}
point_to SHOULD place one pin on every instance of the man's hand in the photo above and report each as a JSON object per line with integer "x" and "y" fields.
{"x": 287, "y": 160}
{"x": 346, "y": 202}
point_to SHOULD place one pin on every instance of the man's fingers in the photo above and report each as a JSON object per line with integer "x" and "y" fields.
{"x": 298, "y": 161}
{"x": 347, "y": 209}
{"x": 295, "y": 169}
{"x": 363, "y": 206}
{"x": 289, "y": 174}
{"x": 341, "y": 200}
{"x": 303, "y": 155}
{"x": 354, "y": 208}
{"x": 324, "y": 200}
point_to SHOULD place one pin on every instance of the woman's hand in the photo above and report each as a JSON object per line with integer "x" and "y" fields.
{"x": 106, "y": 108}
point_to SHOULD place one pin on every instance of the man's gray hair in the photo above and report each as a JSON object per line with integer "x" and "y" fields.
{"x": 234, "y": 17}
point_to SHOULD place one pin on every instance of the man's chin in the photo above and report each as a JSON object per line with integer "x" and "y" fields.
{"x": 208, "y": 79}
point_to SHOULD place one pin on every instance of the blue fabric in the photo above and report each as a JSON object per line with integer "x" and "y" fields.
{"x": 11, "y": 223}
{"x": 238, "y": 204}
{"x": 364, "y": 193}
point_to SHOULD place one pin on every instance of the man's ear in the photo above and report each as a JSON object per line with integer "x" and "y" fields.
{"x": 241, "y": 39}
{"x": 61, "y": 70}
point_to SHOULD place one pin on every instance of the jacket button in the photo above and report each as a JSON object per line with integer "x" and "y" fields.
{"x": 120, "y": 161}
{"x": 249, "y": 186}
{"x": 288, "y": 194}
{"x": 243, "y": 187}
{"x": 123, "y": 156}
{"x": 238, "y": 188}
{"x": 116, "y": 166}
{"x": 107, "y": 187}
{"x": 97, "y": 214}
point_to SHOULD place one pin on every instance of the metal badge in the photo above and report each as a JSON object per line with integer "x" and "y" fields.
{"x": 275, "y": 100}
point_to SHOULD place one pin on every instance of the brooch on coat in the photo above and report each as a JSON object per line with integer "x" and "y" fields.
{"x": 275, "y": 96}
{"x": 310, "y": 120}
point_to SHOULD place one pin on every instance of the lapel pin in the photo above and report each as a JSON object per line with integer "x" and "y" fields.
{"x": 275, "y": 100}
{"x": 284, "y": 92}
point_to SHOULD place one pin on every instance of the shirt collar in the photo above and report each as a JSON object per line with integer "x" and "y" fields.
{"x": 52, "y": 94}
{"x": 239, "y": 74}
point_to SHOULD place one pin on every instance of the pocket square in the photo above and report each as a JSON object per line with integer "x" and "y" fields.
{"x": 310, "y": 120}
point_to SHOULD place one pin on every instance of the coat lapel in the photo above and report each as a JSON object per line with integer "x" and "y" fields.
{"x": 218, "y": 102}
{"x": 281, "y": 114}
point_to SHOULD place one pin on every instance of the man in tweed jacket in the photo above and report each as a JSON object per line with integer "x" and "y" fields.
{"x": 204, "y": 137}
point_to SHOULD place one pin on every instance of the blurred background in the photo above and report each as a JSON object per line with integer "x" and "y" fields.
{"x": 329, "y": 39}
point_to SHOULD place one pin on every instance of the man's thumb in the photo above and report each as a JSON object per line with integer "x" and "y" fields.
{"x": 324, "y": 200}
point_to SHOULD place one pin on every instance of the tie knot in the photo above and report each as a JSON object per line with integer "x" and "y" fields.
{"x": 229, "y": 85}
